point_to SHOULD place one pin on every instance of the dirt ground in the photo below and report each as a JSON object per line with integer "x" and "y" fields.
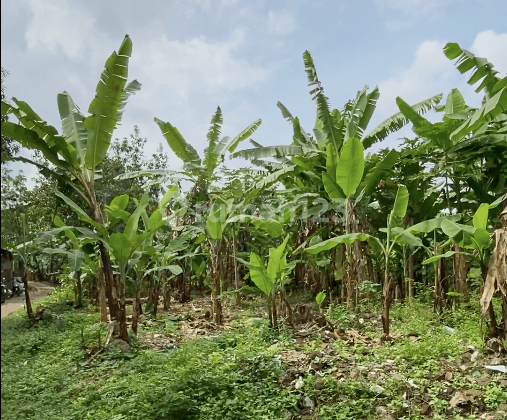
{"x": 36, "y": 290}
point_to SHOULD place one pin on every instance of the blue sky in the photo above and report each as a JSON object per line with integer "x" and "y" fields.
{"x": 244, "y": 55}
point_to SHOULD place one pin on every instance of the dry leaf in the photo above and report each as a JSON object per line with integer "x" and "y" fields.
{"x": 464, "y": 396}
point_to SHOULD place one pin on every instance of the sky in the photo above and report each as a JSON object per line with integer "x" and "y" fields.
{"x": 244, "y": 56}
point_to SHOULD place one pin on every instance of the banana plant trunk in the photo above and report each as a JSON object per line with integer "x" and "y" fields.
{"x": 115, "y": 295}
{"x": 386, "y": 301}
{"x": 102, "y": 294}
{"x": 215, "y": 275}
{"x": 441, "y": 286}
{"x": 29, "y": 310}
{"x": 274, "y": 312}
{"x": 137, "y": 311}
{"x": 79, "y": 288}
{"x": 493, "y": 326}
{"x": 166, "y": 291}
{"x": 459, "y": 263}
{"x": 154, "y": 292}
{"x": 411, "y": 272}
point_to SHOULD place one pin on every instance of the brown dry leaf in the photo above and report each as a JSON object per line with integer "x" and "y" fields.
{"x": 496, "y": 279}
{"x": 425, "y": 409}
{"x": 483, "y": 382}
{"x": 464, "y": 396}
{"x": 293, "y": 356}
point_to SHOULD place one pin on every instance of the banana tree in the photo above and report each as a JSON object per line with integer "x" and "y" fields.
{"x": 475, "y": 238}
{"x": 271, "y": 278}
{"x": 395, "y": 235}
{"x": 158, "y": 273}
{"x": 124, "y": 244}
{"x": 202, "y": 170}
{"x": 215, "y": 225}
{"x": 77, "y": 153}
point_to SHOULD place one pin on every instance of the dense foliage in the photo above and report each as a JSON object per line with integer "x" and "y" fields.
{"x": 318, "y": 215}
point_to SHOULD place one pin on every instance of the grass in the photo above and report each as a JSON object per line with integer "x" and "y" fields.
{"x": 236, "y": 374}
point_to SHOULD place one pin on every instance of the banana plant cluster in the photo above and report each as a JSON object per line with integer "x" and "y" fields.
{"x": 326, "y": 166}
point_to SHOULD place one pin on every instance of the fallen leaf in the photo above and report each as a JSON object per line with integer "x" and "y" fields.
{"x": 482, "y": 382}
{"x": 464, "y": 396}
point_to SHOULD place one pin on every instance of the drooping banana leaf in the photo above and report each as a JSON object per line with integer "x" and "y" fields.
{"x": 177, "y": 143}
{"x": 245, "y": 134}
{"x": 397, "y": 121}
{"x": 467, "y": 61}
{"x": 82, "y": 214}
{"x": 348, "y": 239}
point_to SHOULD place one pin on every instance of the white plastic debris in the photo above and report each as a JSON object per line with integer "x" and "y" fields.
{"x": 308, "y": 402}
{"x": 377, "y": 389}
{"x": 449, "y": 330}
{"x": 498, "y": 368}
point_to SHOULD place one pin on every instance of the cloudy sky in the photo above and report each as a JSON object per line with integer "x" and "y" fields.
{"x": 244, "y": 55}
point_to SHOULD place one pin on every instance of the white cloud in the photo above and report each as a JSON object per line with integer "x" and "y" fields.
{"x": 55, "y": 25}
{"x": 197, "y": 65}
{"x": 281, "y": 22}
{"x": 489, "y": 45}
{"x": 428, "y": 75}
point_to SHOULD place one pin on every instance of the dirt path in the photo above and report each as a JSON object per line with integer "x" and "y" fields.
{"x": 36, "y": 290}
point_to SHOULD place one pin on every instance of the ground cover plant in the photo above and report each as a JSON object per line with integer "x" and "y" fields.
{"x": 327, "y": 282}
{"x": 179, "y": 367}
